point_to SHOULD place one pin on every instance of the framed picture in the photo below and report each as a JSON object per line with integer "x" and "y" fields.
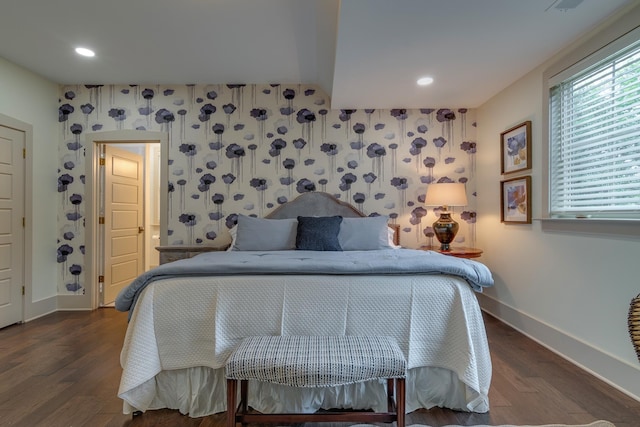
{"x": 515, "y": 146}
{"x": 515, "y": 198}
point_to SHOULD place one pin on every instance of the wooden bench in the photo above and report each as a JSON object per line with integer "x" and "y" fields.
{"x": 316, "y": 361}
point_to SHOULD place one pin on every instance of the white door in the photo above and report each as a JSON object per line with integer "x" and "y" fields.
{"x": 123, "y": 220}
{"x": 12, "y": 144}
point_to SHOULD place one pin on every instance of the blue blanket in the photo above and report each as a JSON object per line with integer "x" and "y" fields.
{"x": 389, "y": 261}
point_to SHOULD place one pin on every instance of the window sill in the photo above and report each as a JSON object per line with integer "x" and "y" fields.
{"x": 598, "y": 226}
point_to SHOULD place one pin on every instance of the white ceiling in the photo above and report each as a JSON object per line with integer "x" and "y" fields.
{"x": 363, "y": 53}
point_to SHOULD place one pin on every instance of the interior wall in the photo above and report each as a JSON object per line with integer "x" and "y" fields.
{"x": 31, "y": 99}
{"x": 236, "y": 149}
{"x": 569, "y": 290}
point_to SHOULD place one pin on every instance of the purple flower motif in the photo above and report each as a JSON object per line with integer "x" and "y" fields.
{"x": 516, "y": 143}
{"x": 259, "y": 184}
{"x": 212, "y": 95}
{"x": 63, "y": 181}
{"x": 287, "y": 111}
{"x": 286, "y": 180}
{"x": 330, "y": 149}
{"x": 218, "y": 128}
{"x": 234, "y": 151}
{"x": 205, "y": 182}
{"x": 376, "y": 150}
{"x": 148, "y": 93}
{"x": 282, "y": 130}
{"x": 164, "y": 116}
{"x": 259, "y": 114}
{"x": 276, "y": 146}
{"x": 309, "y": 92}
{"x": 228, "y": 108}
{"x": 369, "y": 111}
{"x": 217, "y": 145}
{"x": 379, "y": 196}
{"x": 309, "y": 162}
{"x": 369, "y": 177}
{"x": 305, "y": 116}
{"x": 422, "y": 129}
{"x": 188, "y": 149}
{"x": 427, "y": 110}
{"x": 76, "y": 129}
{"x": 462, "y": 110}
{"x": 69, "y": 95}
{"x": 75, "y": 199}
{"x": 73, "y": 216}
{"x": 236, "y": 86}
{"x": 168, "y": 92}
{"x": 345, "y": 115}
{"x": 400, "y": 183}
{"x": 359, "y": 198}
{"x": 188, "y": 219}
{"x": 449, "y": 160}
{"x": 217, "y": 199}
{"x": 171, "y": 188}
{"x": 238, "y": 126}
{"x": 68, "y": 235}
{"x": 228, "y": 178}
{"x": 211, "y": 165}
{"x": 379, "y": 126}
{"x": 399, "y": 113}
{"x": 445, "y": 115}
{"x": 289, "y": 94}
{"x": 299, "y": 143}
{"x": 206, "y": 111}
{"x": 468, "y": 216}
{"x": 118, "y": 114}
{"x": 63, "y": 252}
{"x": 87, "y": 108}
{"x": 359, "y": 128}
{"x": 346, "y": 181}
{"x": 417, "y": 145}
{"x": 305, "y": 186}
{"x": 417, "y": 214}
{"x": 231, "y": 220}
{"x": 352, "y": 164}
{"x": 429, "y": 162}
{"x": 64, "y": 111}
{"x": 439, "y": 142}
{"x": 289, "y": 163}
{"x": 469, "y": 147}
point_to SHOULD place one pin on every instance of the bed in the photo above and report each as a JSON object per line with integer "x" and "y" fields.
{"x": 282, "y": 276}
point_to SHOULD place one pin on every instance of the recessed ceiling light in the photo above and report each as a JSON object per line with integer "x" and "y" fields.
{"x": 85, "y": 52}
{"x": 424, "y": 81}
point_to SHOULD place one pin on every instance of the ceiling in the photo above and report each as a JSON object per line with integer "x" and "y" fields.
{"x": 363, "y": 53}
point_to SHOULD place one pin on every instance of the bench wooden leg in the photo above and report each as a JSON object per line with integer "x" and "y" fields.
{"x": 232, "y": 390}
{"x": 400, "y": 401}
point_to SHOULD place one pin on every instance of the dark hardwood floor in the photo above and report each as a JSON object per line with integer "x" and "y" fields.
{"x": 63, "y": 370}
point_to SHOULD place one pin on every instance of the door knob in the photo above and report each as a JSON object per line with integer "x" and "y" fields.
{"x": 140, "y": 229}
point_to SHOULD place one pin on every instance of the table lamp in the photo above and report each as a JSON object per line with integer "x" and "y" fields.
{"x": 445, "y": 194}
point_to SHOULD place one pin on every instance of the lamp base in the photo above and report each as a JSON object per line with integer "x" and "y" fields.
{"x": 445, "y": 229}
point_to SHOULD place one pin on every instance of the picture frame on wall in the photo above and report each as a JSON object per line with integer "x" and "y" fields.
{"x": 515, "y": 200}
{"x": 515, "y": 144}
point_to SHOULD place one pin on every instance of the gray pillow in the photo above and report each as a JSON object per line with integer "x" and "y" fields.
{"x": 261, "y": 234}
{"x": 364, "y": 234}
{"x": 318, "y": 233}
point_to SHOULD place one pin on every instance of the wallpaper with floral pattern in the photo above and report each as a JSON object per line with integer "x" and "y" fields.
{"x": 245, "y": 149}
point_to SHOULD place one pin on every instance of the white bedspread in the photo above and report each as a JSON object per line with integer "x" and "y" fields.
{"x": 183, "y": 330}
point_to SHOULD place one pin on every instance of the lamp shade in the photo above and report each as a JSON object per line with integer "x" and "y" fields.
{"x": 446, "y": 194}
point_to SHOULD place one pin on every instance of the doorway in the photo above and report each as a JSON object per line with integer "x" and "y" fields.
{"x": 111, "y": 262}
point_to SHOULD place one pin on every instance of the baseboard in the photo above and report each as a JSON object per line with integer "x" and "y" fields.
{"x": 40, "y": 308}
{"x": 617, "y": 373}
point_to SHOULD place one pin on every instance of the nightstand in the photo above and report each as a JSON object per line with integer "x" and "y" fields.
{"x": 456, "y": 252}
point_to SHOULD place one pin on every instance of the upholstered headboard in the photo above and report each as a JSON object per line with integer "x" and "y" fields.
{"x": 317, "y": 203}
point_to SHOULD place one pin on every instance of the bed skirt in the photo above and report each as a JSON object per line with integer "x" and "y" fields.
{"x": 201, "y": 391}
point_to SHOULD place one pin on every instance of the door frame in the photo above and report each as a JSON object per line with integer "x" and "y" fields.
{"x": 91, "y": 299}
{"x": 27, "y": 187}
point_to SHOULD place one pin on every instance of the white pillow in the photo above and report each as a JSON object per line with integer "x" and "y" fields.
{"x": 261, "y": 234}
{"x": 365, "y": 234}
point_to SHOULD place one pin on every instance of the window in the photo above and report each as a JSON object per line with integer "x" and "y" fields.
{"x": 594, "y": 134}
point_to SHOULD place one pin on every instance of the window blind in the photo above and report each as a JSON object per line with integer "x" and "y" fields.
{"x": 595, "y": 139}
